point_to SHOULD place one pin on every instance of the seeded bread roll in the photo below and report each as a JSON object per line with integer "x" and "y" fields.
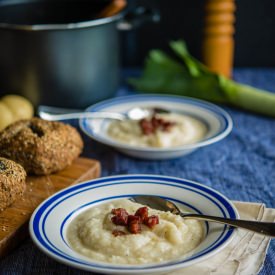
{"x": 12, "y": 182}
{"x": 41, "y": 147}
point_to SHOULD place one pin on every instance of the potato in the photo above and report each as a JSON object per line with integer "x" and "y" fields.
{"x": 20, "y": 107}
{"x": 13, "y": 108}
{"x": 6, "y": 116}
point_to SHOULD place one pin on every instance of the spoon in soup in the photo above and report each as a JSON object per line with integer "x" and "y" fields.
{"x": 265, "y": 228}
{"x": 56, "y": 113}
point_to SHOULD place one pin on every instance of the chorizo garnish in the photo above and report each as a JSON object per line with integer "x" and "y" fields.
{"x": 134, "y": 226}
{"x": 134, "y": 218}
{"x": 120, "y": 216}
{"x": 142, "y": 212}
{"x": 118, "y": 233}
{"x": 119, "y": 211}
{"x": 152, "y": 221}
{"x": 133, "y": 222}
{"x": 151, "y": 125}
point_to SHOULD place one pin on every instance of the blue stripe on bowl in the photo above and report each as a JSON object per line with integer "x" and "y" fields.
{"x": 221, "y": 115}
{"x": 40, "y": 213}
{"x": 150, "y": 97}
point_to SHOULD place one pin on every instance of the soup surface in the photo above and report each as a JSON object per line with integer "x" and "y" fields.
{"x": 91, "y": 233}
{"x": 161, "y": 131}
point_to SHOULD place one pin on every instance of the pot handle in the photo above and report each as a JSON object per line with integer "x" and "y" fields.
{"x": 137, "y": 17}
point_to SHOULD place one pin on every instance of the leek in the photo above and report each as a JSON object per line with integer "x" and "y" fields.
{"x": 186, "y": 76}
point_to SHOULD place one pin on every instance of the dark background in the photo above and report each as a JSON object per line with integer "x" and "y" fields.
{"x": 183, "y": 19}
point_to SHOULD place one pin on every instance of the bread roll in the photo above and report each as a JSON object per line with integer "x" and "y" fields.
{"x": 41, "y": 147}
{"x": 12, "y": 182}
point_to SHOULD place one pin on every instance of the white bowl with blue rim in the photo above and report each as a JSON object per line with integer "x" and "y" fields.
{"x": 49, "y": 222}
{"x": 218, "y": 122}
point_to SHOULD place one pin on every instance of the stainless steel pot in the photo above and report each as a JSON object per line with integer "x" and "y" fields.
{"x": 56, "y": 53}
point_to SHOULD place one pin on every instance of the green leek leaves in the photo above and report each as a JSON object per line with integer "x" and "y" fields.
{"x": 186, "y": 76}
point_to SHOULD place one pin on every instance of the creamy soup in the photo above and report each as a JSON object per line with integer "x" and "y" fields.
{"x": 91, "y": 233}
{"x": 180, "y": 130}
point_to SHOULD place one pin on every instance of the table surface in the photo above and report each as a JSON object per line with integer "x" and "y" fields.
{"x": 242, "y": 167}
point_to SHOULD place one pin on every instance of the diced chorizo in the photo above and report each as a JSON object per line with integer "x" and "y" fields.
{"x": 146, "y": 127}
{"x": 133, "y": 222}
{"x": 149, "y": 126}
{"x": 167, "y": 125}
{"x": 118, "y": 233}
{"x": 119, "y": 211}
{"x": 120, "y": 220}
{"x": 142, "y": 212}
{"x": 151, "y": 221}
{"x": 133, "y": 218}
{"x": 121, "y": 216}
{"x": 134, "y": 227}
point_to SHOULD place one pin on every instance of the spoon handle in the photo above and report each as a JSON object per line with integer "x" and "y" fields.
{"x": 265, "y": 228}
{"x": 94, "y": 115}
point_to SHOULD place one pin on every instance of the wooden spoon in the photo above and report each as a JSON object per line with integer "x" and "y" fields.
{"x": 114, "y": 7}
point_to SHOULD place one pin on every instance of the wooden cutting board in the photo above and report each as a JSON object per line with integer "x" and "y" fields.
{"x": 14, "y": 220}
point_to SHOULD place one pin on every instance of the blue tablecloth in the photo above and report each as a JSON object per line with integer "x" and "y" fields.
{"x": 242, "y": 167}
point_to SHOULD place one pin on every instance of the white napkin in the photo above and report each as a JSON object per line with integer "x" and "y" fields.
{"x": 245, "y": 254}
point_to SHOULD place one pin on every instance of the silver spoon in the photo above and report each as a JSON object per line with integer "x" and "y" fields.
{"x": 55, "y": 113}
{"x": 265, "y": 228}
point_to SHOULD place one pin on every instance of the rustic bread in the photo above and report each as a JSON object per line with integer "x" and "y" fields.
{"x": 41, "y": 147}
{"x": 12, "y": 182}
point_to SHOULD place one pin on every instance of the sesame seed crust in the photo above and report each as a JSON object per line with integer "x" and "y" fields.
{"x": 41, "y": 147}
{"x": 12, "y": 182}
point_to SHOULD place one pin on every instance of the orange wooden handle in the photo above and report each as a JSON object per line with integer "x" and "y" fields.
{"x": 218, "y": 42}
{"x": 113, "y": 8}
